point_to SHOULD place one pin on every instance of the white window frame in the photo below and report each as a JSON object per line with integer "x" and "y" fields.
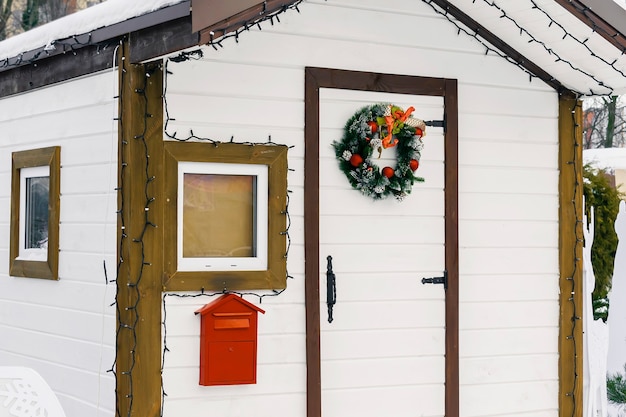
{"x": 29, "y": 254}
{"x": 258, "y": 262}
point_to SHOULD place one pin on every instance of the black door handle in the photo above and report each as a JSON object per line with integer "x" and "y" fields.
{"x": 331, "y": 287}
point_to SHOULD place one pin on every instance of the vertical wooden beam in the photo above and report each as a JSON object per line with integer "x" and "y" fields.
{"x": 451, "y": 134}
{"x": 312, "y": 238}
{"x": 570, "y": 257}
{"x": 138, "y": 363}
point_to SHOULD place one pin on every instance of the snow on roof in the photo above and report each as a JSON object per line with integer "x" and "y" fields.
{"x": 613, "y": 158}
{"x": 84, "y": 21}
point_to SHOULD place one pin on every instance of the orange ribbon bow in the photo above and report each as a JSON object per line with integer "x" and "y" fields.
{"x": 399, "y": 115}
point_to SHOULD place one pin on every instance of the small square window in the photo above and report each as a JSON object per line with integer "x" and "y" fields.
{"x": 35, "y": 213}
{"x": 225, "y": 216}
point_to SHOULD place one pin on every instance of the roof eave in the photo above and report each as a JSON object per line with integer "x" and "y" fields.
{"x": 605, "y": 18}
{"x": 102, "y": 37}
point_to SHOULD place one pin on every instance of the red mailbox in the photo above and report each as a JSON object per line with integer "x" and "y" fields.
{"x": 228, "y": 341}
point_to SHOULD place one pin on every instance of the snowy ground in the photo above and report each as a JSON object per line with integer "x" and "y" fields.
{"x": 605, "y": 344}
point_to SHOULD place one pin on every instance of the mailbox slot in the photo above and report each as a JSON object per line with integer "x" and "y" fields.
{"x": 232, "y": 320}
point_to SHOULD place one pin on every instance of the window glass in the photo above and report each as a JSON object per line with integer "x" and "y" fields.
{"x": 36, "y": 219}
{"x": 219, "y": 216}
{"x": 34, "y": 213}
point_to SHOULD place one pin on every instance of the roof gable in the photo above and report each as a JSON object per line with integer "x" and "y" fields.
{"x": 569, "y": 44}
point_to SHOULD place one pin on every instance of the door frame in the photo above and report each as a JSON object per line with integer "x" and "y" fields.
{"x": 316, "y": 78}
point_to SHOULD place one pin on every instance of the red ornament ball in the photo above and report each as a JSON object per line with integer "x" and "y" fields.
{"x": 418, "y": 131}
{"x": 373, "y": 126}
{"x": 414, "y": 164}
{"x": 356, "y": 160}
{"x": 388, "y": 172}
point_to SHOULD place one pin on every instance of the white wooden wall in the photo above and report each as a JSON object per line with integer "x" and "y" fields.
{"x": 508, "y": 202}
{"x": 65, "y": 329}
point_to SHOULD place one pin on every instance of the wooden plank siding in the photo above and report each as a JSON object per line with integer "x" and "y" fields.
{"x": 508, "y": 199}
{"x": 65, "y": 329}
{"x": 513, "y": 182}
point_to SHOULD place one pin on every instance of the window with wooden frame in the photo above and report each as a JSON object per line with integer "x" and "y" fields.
{"x": 35, "y": 194}
{"x": 225, "y": 216}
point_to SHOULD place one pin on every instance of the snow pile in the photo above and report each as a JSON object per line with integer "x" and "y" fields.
{"x": 616, "y": 358}
{"x": 612, "y": 158}
{"x": 84, "y": 21}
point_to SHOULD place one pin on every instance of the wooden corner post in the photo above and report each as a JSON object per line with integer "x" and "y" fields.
{"x": 140, "y": 246}
{"x": 570, "y": 257}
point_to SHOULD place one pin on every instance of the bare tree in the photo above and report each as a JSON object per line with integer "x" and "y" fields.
{"x": 5, "y": 14}
{"x": 53, "y": 9}
{"x": 30, "y": 15}
{"x": 604, "y": 122}
{"x": 38, "y": 12}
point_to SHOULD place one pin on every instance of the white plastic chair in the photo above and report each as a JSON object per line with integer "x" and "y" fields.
{"x": 24, "y": 393}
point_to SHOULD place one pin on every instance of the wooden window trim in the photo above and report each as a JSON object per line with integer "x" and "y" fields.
{"x": 48, "y": 269}
{"x": 275, "y": 157}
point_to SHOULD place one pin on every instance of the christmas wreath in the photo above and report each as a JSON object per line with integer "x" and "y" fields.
{"x": 369, "y": 131}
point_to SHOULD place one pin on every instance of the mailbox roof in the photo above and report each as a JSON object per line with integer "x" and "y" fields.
{"x": 215, "y": 304}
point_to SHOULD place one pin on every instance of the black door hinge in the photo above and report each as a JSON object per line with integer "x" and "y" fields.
{"x": 437, "y": 280}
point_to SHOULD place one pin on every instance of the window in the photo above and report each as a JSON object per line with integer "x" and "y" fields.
{"x": 225, "y": 216}
{"x": 35, "y": 213}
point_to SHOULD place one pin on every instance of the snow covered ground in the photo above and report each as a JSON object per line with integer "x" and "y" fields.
{"x": 605, "y": 344}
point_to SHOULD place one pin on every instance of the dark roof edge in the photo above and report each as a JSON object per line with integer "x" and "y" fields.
{"x": 245, "y": 18}
{"x": 150, "y": 35}
{"x": 610, "y": 12}
{"x": 147, "y": 20}
{"x": 100, "y": 36}
{"x": 604, "y": 17}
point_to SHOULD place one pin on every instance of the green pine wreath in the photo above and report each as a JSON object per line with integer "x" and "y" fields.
{"x": 366, "y": 133}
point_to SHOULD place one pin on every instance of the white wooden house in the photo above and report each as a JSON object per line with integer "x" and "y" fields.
{"x": 117, "y": 103}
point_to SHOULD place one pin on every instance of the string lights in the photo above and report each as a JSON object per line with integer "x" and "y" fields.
{"x": 549, "y": 50}
{"x": 62, "y": 46}
{"x": 130, "y": 325}
{"x": 128, "y": 316}
{"x": 233, "y": 30}
{"x": 444, "y": 9}
{"x": 196, "y": 55}
{"x": 583, "y": 11}
{"x": 124, "y": 236}
{"x": 203, "y": 294}
{"x": 572, "y": 276}
{"x": 488, "y": 47}
{"x": 123, "y": 325}
{"x": 583, "y": 43}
